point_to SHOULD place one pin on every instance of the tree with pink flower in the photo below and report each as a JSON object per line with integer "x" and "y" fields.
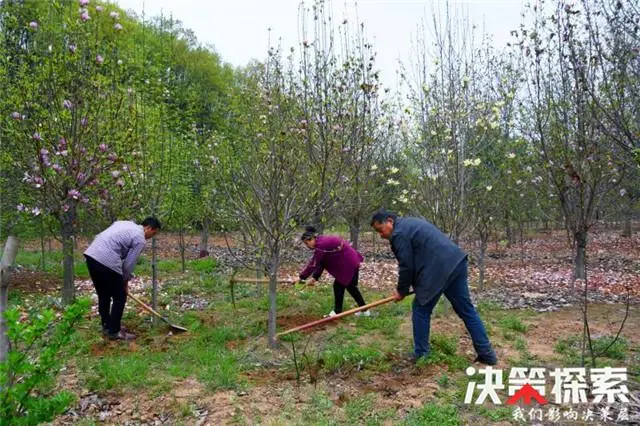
{"x": 69, "y": 120}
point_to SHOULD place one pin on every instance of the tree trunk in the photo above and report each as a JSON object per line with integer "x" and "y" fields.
{"x": 511, "y": 238}
{"x": 8, "y": 257}
{"x": 182, "y": 249}
{"x": 626, "y": 230}
{"x": 204, "y": 239}
{"x": 154, "y": 276}
{"x": 259, "y": 276}
{"x": 43, "y": 260}
{"x": 354, "y": 235}
{"x": 580, "y": 272}
{"x": 273, "y": 276}
{"x": 484, "y": 237}
{"x": 68, "y": 246}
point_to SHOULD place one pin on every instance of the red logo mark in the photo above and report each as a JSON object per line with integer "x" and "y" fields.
{"x": 527, "y": 392}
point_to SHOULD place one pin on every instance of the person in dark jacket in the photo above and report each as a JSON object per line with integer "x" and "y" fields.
{"x": 431, "y": 264}
{"x": 342, "y": 261}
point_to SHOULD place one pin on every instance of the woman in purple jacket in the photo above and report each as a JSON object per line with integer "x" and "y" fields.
{"x": 342, "y": 261}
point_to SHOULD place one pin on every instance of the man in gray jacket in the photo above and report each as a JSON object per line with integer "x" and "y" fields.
{"x": 433, "y": 265}
{"x": 111, "y": 258}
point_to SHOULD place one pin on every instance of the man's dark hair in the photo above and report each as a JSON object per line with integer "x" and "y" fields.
{"x": 382, "y": 215}
{"x": 152, "y": 222}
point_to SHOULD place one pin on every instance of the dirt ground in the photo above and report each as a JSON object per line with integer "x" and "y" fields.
{"x": 270, "y": 391}
{"x": 534, "y": 275}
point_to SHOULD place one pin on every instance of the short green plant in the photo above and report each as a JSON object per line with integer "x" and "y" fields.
{"x": 571, "y": 347}
{"x": 434, "y": 414}
{"x": 496, "y": 414}
{"x": 443, "y": 351}
{"x": 512, "y": 322}
{"x": 27, "y": 377}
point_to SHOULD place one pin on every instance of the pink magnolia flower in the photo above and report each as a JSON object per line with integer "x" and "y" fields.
{"x": 44, "y": 156}
{"x": 81, "y": 177}
{"x": 36, "y": 137}
{"x": 62, "y": 143}
{"x": 84, "y": 200}
{"x": 84, "y": 16}
{"x": 83, "y": 3}
{"x": 114, "y": 15}
{"x": 20, "y": 207}
{"x": 65, "y": 208}
{"x": 120, "y": 183}
{"x": 67, "y": 104}
{"x": 115, "y": 174}
{"x": 33, "y": 25}
{"x": 84, "y": 121}
{"x": 99, "y": 8}
{"x": 99, "y": 59}
{"x": 74, "y": 193}
{"x": 112, "y": 157}
{"x": 117, "y": 26}
{"x": 57, "y": 168}
{"x": 102, "y": 147}
{"x": 16, "y": 115}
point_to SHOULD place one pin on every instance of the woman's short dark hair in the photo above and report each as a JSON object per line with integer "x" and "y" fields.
{"x": 152, "y": 222}
{"x": 381, "y": 216}
{"x": 310, "y": 232}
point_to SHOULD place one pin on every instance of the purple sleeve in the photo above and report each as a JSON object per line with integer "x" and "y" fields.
{"x": 314, "y": 266}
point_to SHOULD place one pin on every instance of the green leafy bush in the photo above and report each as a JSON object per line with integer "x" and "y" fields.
{"x": 27, "y": 376}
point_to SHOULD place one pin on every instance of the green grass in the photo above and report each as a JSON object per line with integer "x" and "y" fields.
{"x": 363, "y": 410}
{"x": 203, "y": 356}
{"x": 358, "y": 348}
{"x": 520, "y": 344}
{"x": 443, "y": 351}
{"x": 351, "y": 356}
{"x": 512, "y": 322}
{"x": 571, "y": 348}
{"x": 386, "y": 325}
{"x": 32, "y": 260}
{"x": 495, "y": 414}
{"x": 434, "y": 414}
{"x": 318, "y": 411}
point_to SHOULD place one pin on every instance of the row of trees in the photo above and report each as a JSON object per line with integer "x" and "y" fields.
{"x": 106, "y": 115}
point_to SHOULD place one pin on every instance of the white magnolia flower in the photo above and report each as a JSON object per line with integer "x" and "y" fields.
{"x": 511, "y": 155}
{"x": 489, "y": 188}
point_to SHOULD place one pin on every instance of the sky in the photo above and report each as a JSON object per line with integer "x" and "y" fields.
{"x": 239, "y": 29}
